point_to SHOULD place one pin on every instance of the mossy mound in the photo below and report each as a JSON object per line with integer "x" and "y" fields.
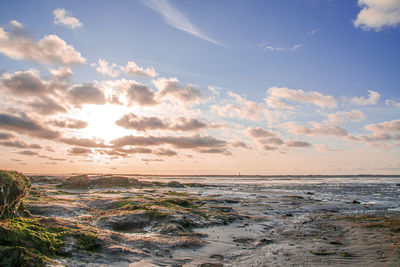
{"x": 14, "y": 186}
{"x": 41, "y": 239}
{"x": 86, "y": 182}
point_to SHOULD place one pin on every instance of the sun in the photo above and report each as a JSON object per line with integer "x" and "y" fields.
{"x": 101, "y": 121}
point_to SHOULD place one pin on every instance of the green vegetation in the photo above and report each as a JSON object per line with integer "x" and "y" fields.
{"x": 14, "y": 186}
{"x": 321, "y": 252}
{"x": 374, "y": 221}
{"x": 26, "y": 238}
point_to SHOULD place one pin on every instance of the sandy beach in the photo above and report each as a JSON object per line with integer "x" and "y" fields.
{"x": 234, "y": 221}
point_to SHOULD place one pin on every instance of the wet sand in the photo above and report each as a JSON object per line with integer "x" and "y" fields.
{"x": 229, "y": 223}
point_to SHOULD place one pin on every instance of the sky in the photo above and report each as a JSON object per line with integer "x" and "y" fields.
{"x": 200, "y": 87}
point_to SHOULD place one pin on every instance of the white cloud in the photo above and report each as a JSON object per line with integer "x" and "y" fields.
{"x": 176, "y": 19}
{"x": 133, "y": 69}
{"x": 313, "y": 32}
{"x": 241, "y": 108}
{"x": 171, "y": 88}
{"x": 373, "y": 98}
{"x": 63, "y": 17}
{"x": 266, "y": 47}
{"x": 346, "y": 116}
{"x": 104, "y": 68}
{"x": 377, "y": 14}
{"x": 316, "y": 129}
{"x": 51, "y": 49}
{"x": 276, "y": 95}
{"x": 393, "y": 103}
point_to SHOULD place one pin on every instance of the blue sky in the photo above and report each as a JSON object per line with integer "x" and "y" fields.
{"x": 320, "y": 76}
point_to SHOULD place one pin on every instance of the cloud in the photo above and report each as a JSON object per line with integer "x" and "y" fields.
{"x": 87, "y": 93}
{"x": 132, "y": 121}
{"x": 346, "y": 116}
{"x": 135, "y": 92}
{"x": 5, "y": 136}
{"x": 63, "y": 17}
{"x": 46, "y": 106}
{"x": 25, "y": 125}
{"x": 171, "y": 88}
{"x": 165, "y": 152}
{"x": 28, "y": 153}
{"x": 176, "y": 19}
{"x": 316, "y": 129}
{"x": 276, "y": 95}
{"x": 381, "y": 132}
{"x": 266, "y": 47}
{"x": 69, "y": 123}
{"x": 393, "y": 103}
{"x": 104, "y": 68}
{"x": 79, "y": 151}
{"x": 377, "y": 14}
{"x": 271, "y": 141}
{"x": 294, "y": 143}
{"x": 312, "y": 32}
{"x": 385, "y": 127}
{"x": 323, "y": 147}
{"x": 133, "y": 69}
{"x": 24, "y": 83}
{"x": 223, "y": 151}
{"x": 241, "y": 108}
{"x": 51, "y": 49}
{"x": 373, "y": 98}
{"x": 20, "y": 144}
{"x": 240, "y": 144}
{"x": 187, "y": 142}
{"x": 260, "y": 133}
{"x": 84, "y": 142}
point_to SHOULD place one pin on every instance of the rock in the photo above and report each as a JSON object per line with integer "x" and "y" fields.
{"x": 175, "y": 184}
{"x": 397, "y": 184}
{"x": 76, "y": 182}
{"x": 84, "y": 182}
{"x": 356, "y": 202}
{"x": 211, "y": 264}
{"x": 14, "y": 187}
{"x": 217, "y": 257}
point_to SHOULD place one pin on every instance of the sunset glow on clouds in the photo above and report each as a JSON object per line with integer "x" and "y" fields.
{"x": 170, "y": 94}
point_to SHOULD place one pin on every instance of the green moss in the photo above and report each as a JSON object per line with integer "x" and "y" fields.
{"x": 373, "y": 221}
{"x": 154, "y": 214}
{"x": 186, "y": 203}
{"x": 21, "y": 256}
{"x": 42, "y": 238}
{"x": 347, "y": 254}
{"x": 321, "y": 252}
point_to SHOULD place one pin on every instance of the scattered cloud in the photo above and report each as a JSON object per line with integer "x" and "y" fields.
{"x": 5, "y": 136}
{"x": 88, "y": 93}
{"x": 83, "y": 142}
{"x": 51, "y": 49}
{"x": 24, "y": 83}
{"x": 294, "y": 143}
{"x": 346, "y": 116}
{"x": 267, "y": 47}
{"x": 28, "y": 153}
{"x": 132, "y": 121}
{"x": 134, "y": 92}
{"x": 392, "y": 103}
{"x": 64, "y": 17}
{"x": 240, "y": 108}
{"x": 68, "y": 123}
{"x": 195, "y": 141}
{"x": 171, "y": 88}
{"x": 104, "y": 68}
{"x": 377, "y": 14}
{"x": 47, "y": 106}
{"x": 24, "y": 125}
{"x": 315, "y": 129}
{"x": 260, "y": 133}
{"x": 373, "y": 98}
{"x": 133, "y": 69}
{"x": 276, "y": 95}
{"x": 323, "y": 147}
{"x": 176, "y": 19}
{"x": 20, "y": 144}
{"x": 79, "y": 151}
{"x": 313, "y": 32}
